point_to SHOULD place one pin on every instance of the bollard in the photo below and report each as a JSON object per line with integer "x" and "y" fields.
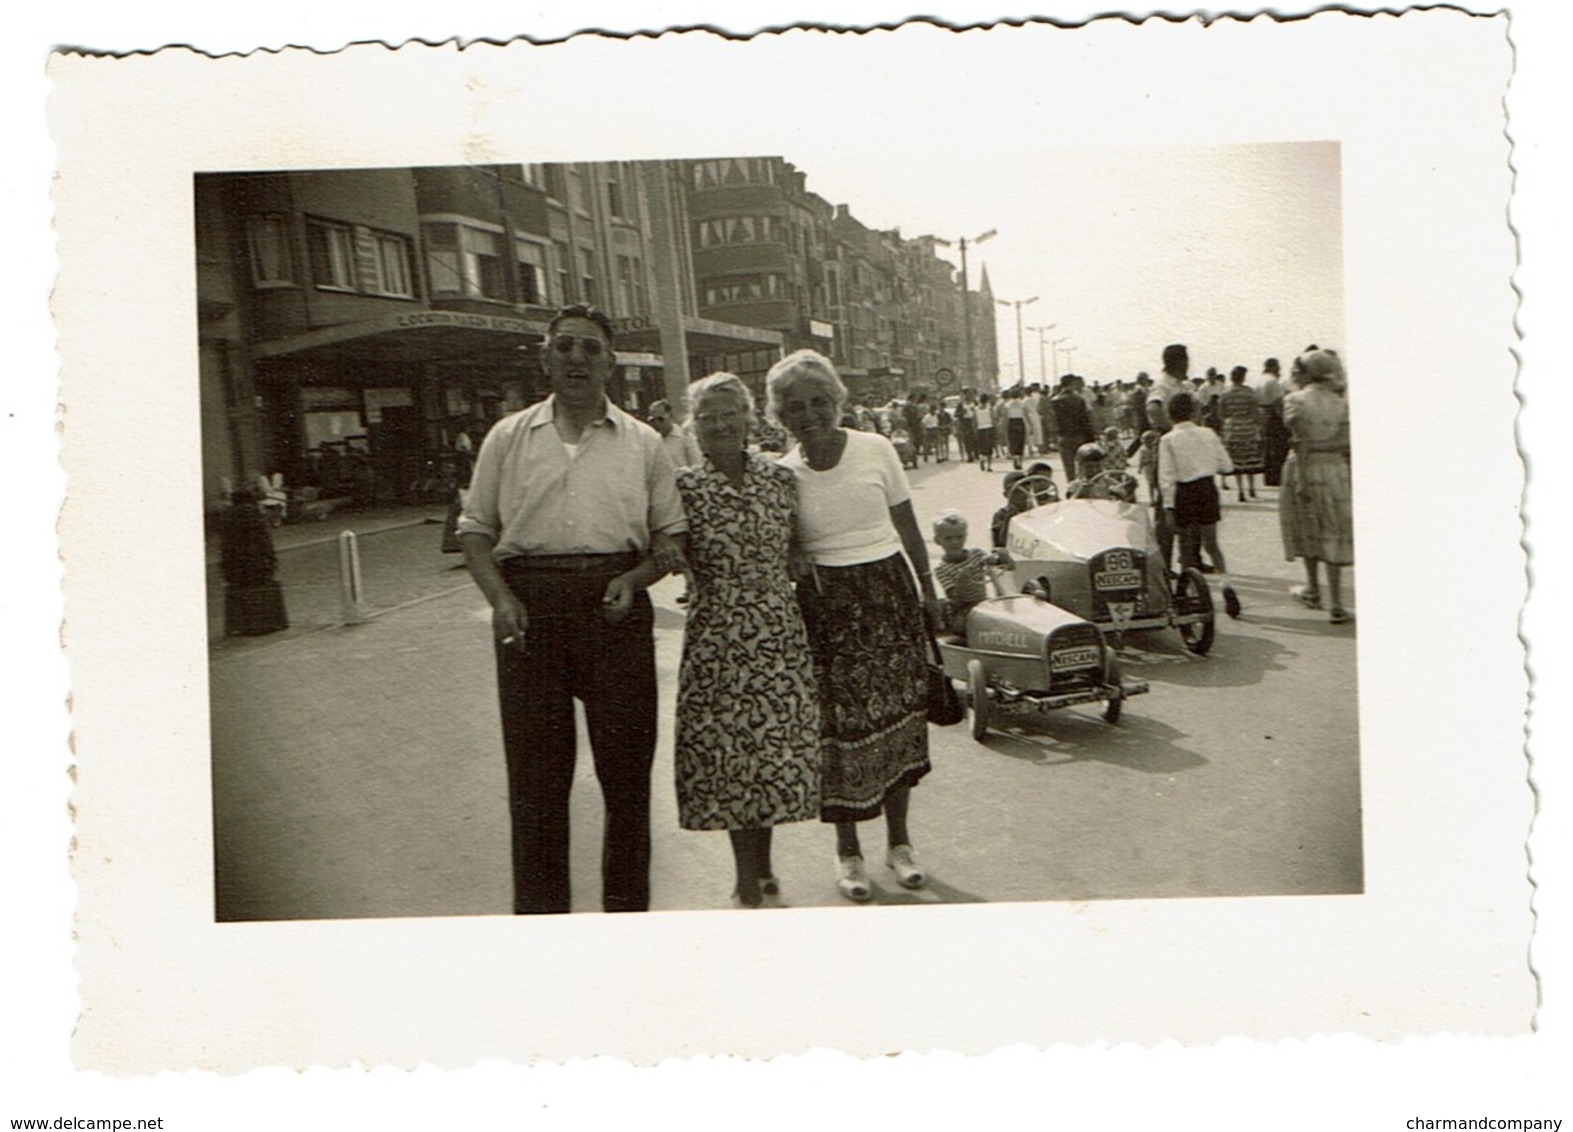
{"x": 350, "y": 595}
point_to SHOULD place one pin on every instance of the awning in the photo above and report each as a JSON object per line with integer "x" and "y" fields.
{"x": 410, "y": 336}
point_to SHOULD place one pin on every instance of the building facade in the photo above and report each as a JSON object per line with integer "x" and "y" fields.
{"x": 353, "y": 324}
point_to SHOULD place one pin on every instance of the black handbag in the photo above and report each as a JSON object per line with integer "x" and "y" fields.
{"x": 944, "y": 704}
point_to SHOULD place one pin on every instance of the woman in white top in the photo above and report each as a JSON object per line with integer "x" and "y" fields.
{"x": 864, "y": 618}
{"x": 985, "y": 422}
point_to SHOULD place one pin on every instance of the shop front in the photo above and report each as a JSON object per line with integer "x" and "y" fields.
{"x": 387, "y": 410}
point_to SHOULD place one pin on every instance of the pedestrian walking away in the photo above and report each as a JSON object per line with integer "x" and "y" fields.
{"x": 985, "y": 417}
{"x": 1323, "y": 509}
{"x": 1242, "y": 418}
{"x": 572, "y": 512}
{"x": 1275, "y": 434}
{"x": 1072, "y": 421}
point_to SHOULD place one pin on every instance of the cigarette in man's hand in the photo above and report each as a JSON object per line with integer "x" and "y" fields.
{"x": 510, "y": 639}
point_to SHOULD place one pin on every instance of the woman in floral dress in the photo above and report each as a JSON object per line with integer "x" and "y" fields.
{"x": 747, "y": 748}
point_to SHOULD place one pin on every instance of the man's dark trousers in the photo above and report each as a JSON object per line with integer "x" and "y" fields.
{"x": 571, "y": 652}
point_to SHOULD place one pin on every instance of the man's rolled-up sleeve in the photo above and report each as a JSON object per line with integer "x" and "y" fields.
{"x": 480, "y": 515}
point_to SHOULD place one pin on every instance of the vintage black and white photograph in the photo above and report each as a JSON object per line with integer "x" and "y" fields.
{"x": 1145, "y": 608}
{"x": 882, "y": 507}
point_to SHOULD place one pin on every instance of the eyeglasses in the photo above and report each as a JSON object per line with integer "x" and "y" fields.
{"x": 726, "y": 417}
{"x": 564, "y": 344}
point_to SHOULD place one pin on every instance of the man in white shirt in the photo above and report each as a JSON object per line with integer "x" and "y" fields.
{"x": 571, "y": 514}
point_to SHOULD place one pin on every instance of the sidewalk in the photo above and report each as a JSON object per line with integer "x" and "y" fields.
{"x": 363, "y": 521}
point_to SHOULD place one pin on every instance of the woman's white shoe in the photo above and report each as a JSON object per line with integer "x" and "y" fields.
{"x": 902, "y": 860}
{"x": 853, "y": 881}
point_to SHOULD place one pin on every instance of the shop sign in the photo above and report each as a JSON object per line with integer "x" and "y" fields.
{"x": 819, "y": 329}
{"x": 417, "y": 319}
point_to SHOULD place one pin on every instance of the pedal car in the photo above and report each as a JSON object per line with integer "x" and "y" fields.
{"x": 1021, "y": 652}
{"x": 1097, "y": 557}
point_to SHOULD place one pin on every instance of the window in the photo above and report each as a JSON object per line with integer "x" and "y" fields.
{"x": 614, "y": 199}
{"x": 464, "y": 261}
{"x": 390, "y": 265}
{"x": 587, "y": 276}
{"x": 267, "y": 238}
{"x": 332, "y": 249}
{"x": 564, "y": 274}
{"x": 630, "y": 285}
{"x": 531, "y": 258}
{"x": 745, "y": 289}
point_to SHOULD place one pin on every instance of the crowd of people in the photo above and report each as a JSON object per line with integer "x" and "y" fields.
{"x": 811, "y": 604}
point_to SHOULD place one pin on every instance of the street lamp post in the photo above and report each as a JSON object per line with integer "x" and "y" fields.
{"x": 1043, "y": 371}
{"x": 1021, "y": 364}
{"x": 966, "y": 303}
{"x": 1069, "y": 350}
{"x": 1054, "y": 349}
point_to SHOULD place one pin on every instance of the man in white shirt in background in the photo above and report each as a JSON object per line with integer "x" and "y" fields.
{"x": 679, "y": 444}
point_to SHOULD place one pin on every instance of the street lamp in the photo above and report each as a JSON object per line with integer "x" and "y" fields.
{"x": 966, "y": 302}
{"x": 1069, "y": 350}
{"x": 1043, "y": 372}
{"x": 1054, "y": 350}
{"x": 1021, "y": 365}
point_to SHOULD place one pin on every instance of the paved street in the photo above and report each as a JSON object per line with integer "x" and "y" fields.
{"x": 357, "y": 771}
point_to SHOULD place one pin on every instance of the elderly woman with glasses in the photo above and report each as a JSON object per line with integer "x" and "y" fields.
{"x": 747, "y": 748}
{"x": 864, "y": 616}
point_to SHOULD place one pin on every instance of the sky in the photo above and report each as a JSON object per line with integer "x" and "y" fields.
{"x": 1234, "y": 250}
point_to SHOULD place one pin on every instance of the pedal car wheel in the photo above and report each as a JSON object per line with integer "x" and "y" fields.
{"x": 1111, "y": 676}
{"x": 978, "y": 698}
{"x": 1193, "y": 598}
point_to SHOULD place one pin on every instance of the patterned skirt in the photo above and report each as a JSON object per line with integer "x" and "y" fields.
{"x": 1242, "y": 437}
{"x": 866, "y": 634}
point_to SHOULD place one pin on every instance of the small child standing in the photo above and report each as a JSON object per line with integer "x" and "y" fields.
{"x": 962, "y": 572}
{"x": 1147, "y": 462}
{"x": 1114, "y": 459}
{"x": 1015, "y": 504}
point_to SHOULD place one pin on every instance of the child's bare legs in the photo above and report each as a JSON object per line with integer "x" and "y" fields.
{"x": 1209, "y": 537}
{"x": 1231, "y": 600}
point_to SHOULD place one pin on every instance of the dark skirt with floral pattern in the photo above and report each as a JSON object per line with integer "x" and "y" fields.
{"x": 865, "y": 630}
